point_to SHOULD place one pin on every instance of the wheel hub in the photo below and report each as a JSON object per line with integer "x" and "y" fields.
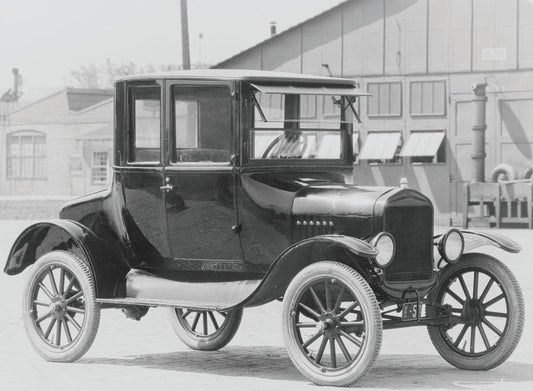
{"x": 58, "y": 307}
{"x": 473, "y": 312}
{"x": 329, "y": 325}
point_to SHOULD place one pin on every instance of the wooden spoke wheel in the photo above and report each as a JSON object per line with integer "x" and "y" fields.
{"x": 59, "y": 309}
{"x": 332, "y": 324}
{"x": 485, "y": 297}
{"x": 205, "y": 329}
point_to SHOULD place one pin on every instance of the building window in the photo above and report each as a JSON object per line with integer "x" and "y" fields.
{"x": 425, "y": 147}
{"x": 385, "y": 99}
{"x": 428, "y": 98}
{"x": 99, "y": 168}
{"x": 26, "y": 155}
{"x": 382, "y": 147}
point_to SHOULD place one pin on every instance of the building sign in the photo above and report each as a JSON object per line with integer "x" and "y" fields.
{"x": 491, "y": 54}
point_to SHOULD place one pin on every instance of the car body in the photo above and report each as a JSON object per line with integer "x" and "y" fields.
{"x": 235, "y": 188}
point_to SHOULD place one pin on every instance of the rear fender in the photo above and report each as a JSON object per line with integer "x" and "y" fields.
{"x": 68, "y": 235}
{"x": 475, "y": 239}
{"x": 353, "y": 252}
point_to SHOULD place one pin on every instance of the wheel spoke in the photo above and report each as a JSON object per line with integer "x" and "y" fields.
{"x": 496, "y": 314}
{"x": 348, "y": 310}
{"x": 204, "y": 316}
{"x": 492, "y": 327}
{"x": 472, "y": 339}
{"x": 311, "y": 340}
{"x": 74, "y": 323}
{"x": 185, "y": 314}
{"x": 351, "y": 338}
{"x": 461, "y": 335}
{"x": 213, "y": 320}
{"x": 45, "y": 316}
{"x": 58, "y": 332}
{"x": 317, "y": 300}
{"x": 484, "y": 336}
{"x": 328, "y": 295}
{"x": 457, "y": 311}
{"x": 195, "y": 321}
{"x": 69, "y": 286}
{"x": 45, "y": 290}
{"x": 493, "y": 301}
{"x": 41, "y": 303}
{"x": 476, "y": 284}
{"x": 76, "y": 310}
{"x": 486, "y": 290}
{"x": 309, "y": 310}
{"x": 305, "y": 325}
{"x": 465, "y": 288}
{"x": 339, "y": 300}
{"x": 49, "y": 328}
{"x": 67, "y": 331}
{"x": 321, "y": 350}
{"x": 454, "y": 295}
{"x": 343, "y": 348}
{"x": 348, "y": 324}
{"x": 53, "y": 282}
{"x": 75, "y": 297}
{"x": 61, "y": 281}
{"x": 333, "y": 353}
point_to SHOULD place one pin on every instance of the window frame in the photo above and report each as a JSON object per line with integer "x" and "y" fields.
{"x": 422, "y": 82}
{"x": 106, "y": 166}
{"x": 28, "y": 133}
{"x": 381, "y": 115}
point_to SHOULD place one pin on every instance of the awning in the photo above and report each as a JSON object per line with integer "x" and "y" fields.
{"x": 423, "y": 144}
{"x": 380, "y": 146}
{"x": 269, "y": 89}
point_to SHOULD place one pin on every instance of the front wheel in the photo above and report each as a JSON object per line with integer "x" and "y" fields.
{"x": 205, "y": 329}
{"x": 485, "y": 297}
{"x": 331, "y": 324}
{"x": 59, "y": 310}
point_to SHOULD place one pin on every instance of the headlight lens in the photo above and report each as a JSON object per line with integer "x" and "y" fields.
{"x": 451, "y": 245}
{"x": 384, "y": 242}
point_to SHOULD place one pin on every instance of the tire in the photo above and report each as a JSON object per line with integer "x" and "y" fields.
{"x": 218, "y": 327}
{"x": 329, "y": 303}
{"x": 59, "y": 310}
{"x": 493, "y": 320}
{"x": 503, "y": 172}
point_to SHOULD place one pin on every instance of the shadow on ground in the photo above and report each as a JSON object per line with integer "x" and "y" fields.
{"x": 397, "y": 371}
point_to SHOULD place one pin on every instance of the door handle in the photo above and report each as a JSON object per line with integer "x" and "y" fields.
{"x": 167, "y": 187}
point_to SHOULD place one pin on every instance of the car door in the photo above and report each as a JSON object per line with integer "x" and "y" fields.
{"x": 141, "y": 175}
{"x": 200, "y": 200}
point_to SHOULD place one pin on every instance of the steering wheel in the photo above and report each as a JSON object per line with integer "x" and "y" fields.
{"x": 289, "y": 147}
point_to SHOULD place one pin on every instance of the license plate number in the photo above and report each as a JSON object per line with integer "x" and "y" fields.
{"x": 409, "y": 311}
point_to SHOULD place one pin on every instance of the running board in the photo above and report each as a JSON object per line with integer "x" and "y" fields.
{"x": 143, "y": 288}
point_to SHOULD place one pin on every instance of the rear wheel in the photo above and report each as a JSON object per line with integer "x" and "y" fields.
{"x": 59, "y": 310}
{"x": 485, "y": 295}
{"x": 331, "y": 324}
{"x": 207, "y": 329}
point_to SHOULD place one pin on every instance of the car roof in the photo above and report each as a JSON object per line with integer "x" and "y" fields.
{"x": 240, "y": 74}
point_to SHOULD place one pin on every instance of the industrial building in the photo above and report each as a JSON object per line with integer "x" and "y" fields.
{"x": 419, "y": 59}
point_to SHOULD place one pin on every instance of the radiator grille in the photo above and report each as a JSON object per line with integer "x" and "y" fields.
{"x": 412, "y": 229}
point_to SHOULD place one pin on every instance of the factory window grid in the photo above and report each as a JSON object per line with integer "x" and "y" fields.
{"x": 382, "y": 147}
{"x": 427, "y": 98}
{"x": 385, "y": 99}
{"x": 99, "y": 168}
{"x": 26, "y": 155}
{"x": 425, "y": 146}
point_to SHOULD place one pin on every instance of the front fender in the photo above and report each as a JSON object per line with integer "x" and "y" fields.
{"x": 475, "y": 239}
{"x": 345, "y": 249}
{"x": 67, "y": 235}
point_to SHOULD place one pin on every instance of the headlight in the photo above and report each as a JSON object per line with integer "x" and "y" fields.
{"x": 384, "y": 242}
{"x": 451, "y": 245}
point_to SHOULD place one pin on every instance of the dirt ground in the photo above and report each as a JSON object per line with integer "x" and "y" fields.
{"x": 130, "y": 355}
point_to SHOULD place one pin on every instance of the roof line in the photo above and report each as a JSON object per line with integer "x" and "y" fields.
{"x": 46, "y": 97}
{"x": 296, "y": 26}
{"x": 92, "y": 107}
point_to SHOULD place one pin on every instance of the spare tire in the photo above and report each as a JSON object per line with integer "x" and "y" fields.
{"x": 528, "y": 173}
{"x": 503, "y": 172}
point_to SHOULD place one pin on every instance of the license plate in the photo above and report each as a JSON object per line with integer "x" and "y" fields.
{"x": 409, "y": 311}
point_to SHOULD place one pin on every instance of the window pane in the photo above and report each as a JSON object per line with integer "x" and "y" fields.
{"x": 308, "y": 106}
{"x": 186, "y": 124}
{"x": 13, "y": 146}
{"x": 146, "y": 124}
{"x": 40, "y": 167}
{"x": 13, "y": 168}
{"x": 40, "y": 145}
{"x": 25, "y": 151}
{"x": 395, "y": 99}
{"x": 204, "y": 133}
{"x": 427, "y": 98}
{"x": 26, "y": 146}
{"x": 384, "y": 99}
{"x": 416, "y": 98}
{"x": 26, "y": 167}
{"x": 439, "y": 97}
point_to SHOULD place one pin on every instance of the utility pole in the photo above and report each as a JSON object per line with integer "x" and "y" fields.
{"x": 185, "y": 50}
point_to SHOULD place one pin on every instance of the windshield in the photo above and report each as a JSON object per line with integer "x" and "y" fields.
{"x": 301, "y": 126}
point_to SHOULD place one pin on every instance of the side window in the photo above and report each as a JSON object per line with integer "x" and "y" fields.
{"x": 145, "y": 124}
{"x": 201, "y": 124}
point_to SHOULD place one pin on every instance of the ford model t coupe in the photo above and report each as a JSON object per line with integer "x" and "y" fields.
{"x": 235, "y": 188}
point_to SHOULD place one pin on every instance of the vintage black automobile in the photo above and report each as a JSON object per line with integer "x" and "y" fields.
{"x": 235, "y": 188}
